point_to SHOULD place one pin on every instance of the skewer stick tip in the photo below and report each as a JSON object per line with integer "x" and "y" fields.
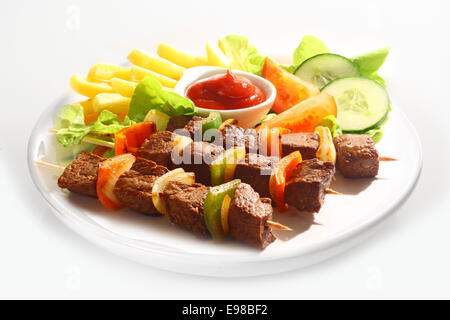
{"x": 278, "y": 226}
{"x": 331, "y": 191}
{"x": 387, "y": 159}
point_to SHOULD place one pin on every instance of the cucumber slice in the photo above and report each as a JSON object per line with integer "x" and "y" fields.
{"x": 362, "y": 103}
{"x": 324, "y": 68}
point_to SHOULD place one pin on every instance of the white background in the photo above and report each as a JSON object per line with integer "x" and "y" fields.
{"x": 44, "y": 42}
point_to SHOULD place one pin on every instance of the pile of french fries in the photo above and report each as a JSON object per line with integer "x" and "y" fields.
{"x": 110, "y": 87}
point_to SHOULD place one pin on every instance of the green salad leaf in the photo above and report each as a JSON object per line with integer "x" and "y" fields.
{"x": 289, "y": 68}
{"x": 331, "y": 123}
{"x": 376, "y": 134}
{"x": 369, "y": 63}
{"x": 149, "y": 95}
{"x": 309, "y": 47}
{"x": 72, "y": 129}
{"x": 242, "y": 54}
{"x": 267, "y": 117}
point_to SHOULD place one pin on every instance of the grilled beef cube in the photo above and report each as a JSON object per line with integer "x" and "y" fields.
{"x": 178, "y": 122}
{"x": 307, "y": 187}
{"x": 81, "y": 175}
{"x": 255, "y": 169}
{"x": 248, "y": 215}
{"x": 185, "y": 206}
{"x": 306, "y": 143}
{"x": 356, "y": 156}
{"x": 234, "y": 136}
{"x": 194, "y": 126}
{"x": 134, "y": 188}
{"x": 197, "y": 158}
{"x": 158, "y": 148}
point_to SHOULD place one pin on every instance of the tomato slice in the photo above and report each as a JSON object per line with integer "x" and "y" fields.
{"x": 290, "y": 89}
{"x": 109, "y": 172}
{"x": 129, "y": 140}
{"x": 282, "y": 173}
{"x": 306, "y": 115}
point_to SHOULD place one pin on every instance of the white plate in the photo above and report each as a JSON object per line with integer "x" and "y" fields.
{"x": 343, "y": 221}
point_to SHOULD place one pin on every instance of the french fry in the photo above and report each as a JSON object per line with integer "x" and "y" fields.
{"x": 215, "y": 55}
{"x": 155, "y": 64}
{"x": 87, "y": 106}
{"x": 138, "y": 73}
{"x": 113, "y": 102}
{"x": 88, "y": 88}
{"x": 106, "y": 71}
{"x": 89, "y": 118}
{"x": 88, "y": 110}
{"x": 180, "y": 57}
{"x": 123, "y": 87}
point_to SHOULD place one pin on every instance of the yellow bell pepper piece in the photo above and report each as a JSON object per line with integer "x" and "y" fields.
{"x": 113, "y": 102}
{"x": 88, "y": 88}
{"x": 156, "y": 64}
{"x": 138, "y": 73}
{"x": 106, "y": 71}
{"x": 215, "y": 55}
{"x": 123, "y": 87}
{"x": 180, "y": 57}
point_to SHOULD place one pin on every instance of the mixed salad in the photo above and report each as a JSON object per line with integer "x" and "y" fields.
{"x": 346, "y": 95}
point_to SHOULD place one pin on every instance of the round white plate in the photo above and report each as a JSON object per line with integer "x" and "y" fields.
{"x": 343, "y": 221}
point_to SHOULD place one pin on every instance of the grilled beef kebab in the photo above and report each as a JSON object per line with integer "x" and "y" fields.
{"x": 248, "y": 213}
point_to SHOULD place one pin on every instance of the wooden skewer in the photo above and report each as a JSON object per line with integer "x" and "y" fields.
{"x": 44, "y": 164}
{"x": 387, "y": 159}
{"x": 331, "y": 191}
{"x": 49, "y": 165}
{"x": 277, "y": 225}
{"x": 99, "y": 142}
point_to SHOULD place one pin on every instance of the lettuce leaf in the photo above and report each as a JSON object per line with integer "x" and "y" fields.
{"x": 267, "y": 117}
{"x": 309, "y": 47}
{"x": 369, "y": 63}
{"x": 331, "y": 123}
{"x": 242, "y": 55}
{"x": 72, "y": 129}
{"x": 376, "y": 134}
{"x": 289, "y": 68}
{"x": 70, "y": 114}
{"x": 149, "y": 95}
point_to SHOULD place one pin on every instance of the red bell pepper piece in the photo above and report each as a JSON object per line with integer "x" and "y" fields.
{"x": 129, "y": 140}
{"x": 109, "y": 172}
{"x": 270, "y": 140}
{"x": 282, "y": 173}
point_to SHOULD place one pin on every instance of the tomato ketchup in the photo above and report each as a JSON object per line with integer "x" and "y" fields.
{"x": 225, "y": 92}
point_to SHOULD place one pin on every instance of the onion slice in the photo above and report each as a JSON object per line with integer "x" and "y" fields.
{"x": 161, "y": 183}
{"x": 326, "y": 151}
